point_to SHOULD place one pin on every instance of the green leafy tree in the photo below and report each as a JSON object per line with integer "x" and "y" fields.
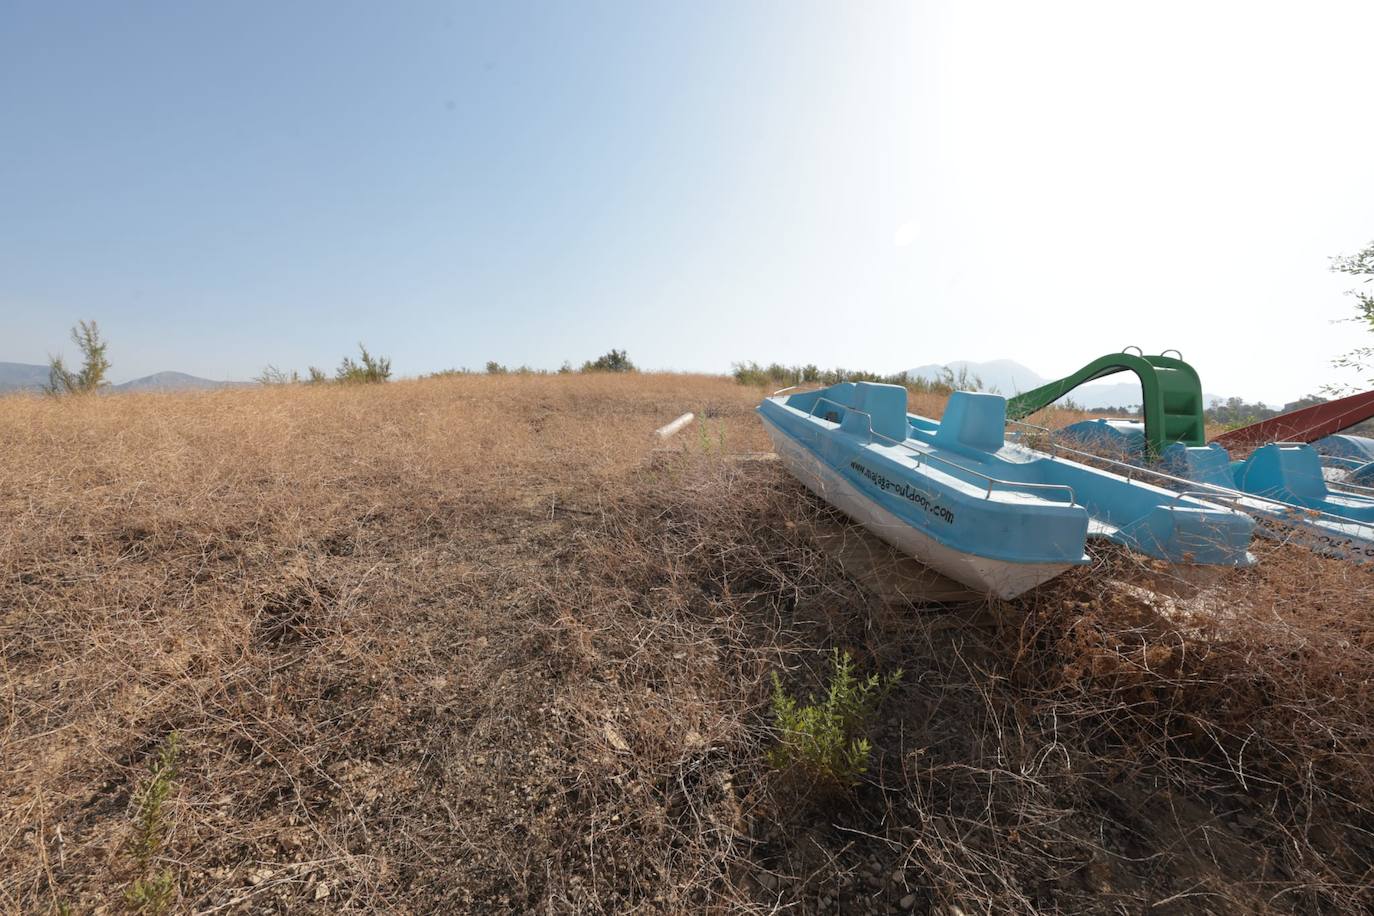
{"x": 94, "y": 365}
{"x": 614, "y": 361}
{"x": 1360, "y": 265}
{"x": 367, "y": 368}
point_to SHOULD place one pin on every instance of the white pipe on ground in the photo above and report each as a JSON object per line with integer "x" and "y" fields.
{"x": 663, "y": 432}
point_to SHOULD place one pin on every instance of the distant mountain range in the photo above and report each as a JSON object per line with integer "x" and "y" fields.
{"x": 22, "y": 376}
{"x": 29, "y": 377}
{"x": 170, "y": 381}
{"x": 1008, "y": 377}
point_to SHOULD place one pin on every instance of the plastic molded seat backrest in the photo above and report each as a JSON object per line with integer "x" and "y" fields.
{"x": 974, "y": 420}
{"x": 885, "y": 406}
{"x": 1203, "y": 463}
{"x": 1295, "y": 468}
{"x": 1119, "y": 437}
{"x": 1360, "y": 448}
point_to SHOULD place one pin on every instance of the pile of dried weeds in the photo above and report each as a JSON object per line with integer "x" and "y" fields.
{"x": 472, "y": 644}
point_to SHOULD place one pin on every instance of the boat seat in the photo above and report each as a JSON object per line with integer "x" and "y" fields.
{"x": 885, "y": 406}
{"x": 1117, "y": 437}
{"x": 1344, "y": 445}
{"x": 1295, "y": 469}
{"x": 973, "y": 421}
{"x": 1203, "y": 463}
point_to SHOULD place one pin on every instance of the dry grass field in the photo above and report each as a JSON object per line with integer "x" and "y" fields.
{"x": 474, "y": 645}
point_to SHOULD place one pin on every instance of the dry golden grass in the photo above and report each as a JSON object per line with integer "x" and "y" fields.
{"x": 473, "y": 644}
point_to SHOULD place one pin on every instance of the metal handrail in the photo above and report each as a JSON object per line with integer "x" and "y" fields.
{"x": 1213, "y": 492}
{"x": 1354, "y": 489}
{"x": 928, "y": 456}
{"x": 1216, "y": 490}
{"x": 1199, "y": 494}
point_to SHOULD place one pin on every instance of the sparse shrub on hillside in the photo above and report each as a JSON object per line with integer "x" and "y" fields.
{"x": 776, "y": 375}
{"x": 826, "y": 738}
{"x": 271, "y": 375}
{"x": 495, "y": 368}
{"x": 368, "y": 369}
{"x": 614, "y": 361}
{"x": 94, "y": 365}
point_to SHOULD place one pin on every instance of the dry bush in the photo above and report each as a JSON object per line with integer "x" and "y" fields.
{"x": 482, "y": 644}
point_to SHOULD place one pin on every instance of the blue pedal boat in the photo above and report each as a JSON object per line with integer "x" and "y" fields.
{"x": 1283, "y": 485}
{"x": 997, "y": 517}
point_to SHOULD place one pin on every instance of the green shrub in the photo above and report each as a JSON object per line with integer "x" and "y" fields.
{"x": 152, "y": 893}
{"x": 271, "y": 375}
{"x": 614, "y": 361}
{"x": 94, "y": 365}
{"x": 367, "y": 369}
{"x": 826, "y": 738}
{"x": 776, "y": 375}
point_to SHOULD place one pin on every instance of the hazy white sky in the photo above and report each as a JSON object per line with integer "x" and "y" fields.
{"x": 1165, "y": 174}
{"x": 876, "y": 185}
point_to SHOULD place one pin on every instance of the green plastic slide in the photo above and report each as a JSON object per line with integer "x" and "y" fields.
{"x": 1170, "y": 388}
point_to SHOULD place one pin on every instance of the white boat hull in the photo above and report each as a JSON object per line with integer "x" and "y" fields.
{"x": 1000, "y": 578}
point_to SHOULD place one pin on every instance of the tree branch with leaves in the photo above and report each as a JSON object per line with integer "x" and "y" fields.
{"x": 91, "y": 376}
{"x": 1360, "y": 264}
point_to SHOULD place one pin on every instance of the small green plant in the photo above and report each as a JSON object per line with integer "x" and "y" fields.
{"x": 826, "y": 737}
{"x": 495, "y": 368}
{"x": 366, "y": 369}
{"x": 94, "y": 365}
{"x": 152, "y": 893}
